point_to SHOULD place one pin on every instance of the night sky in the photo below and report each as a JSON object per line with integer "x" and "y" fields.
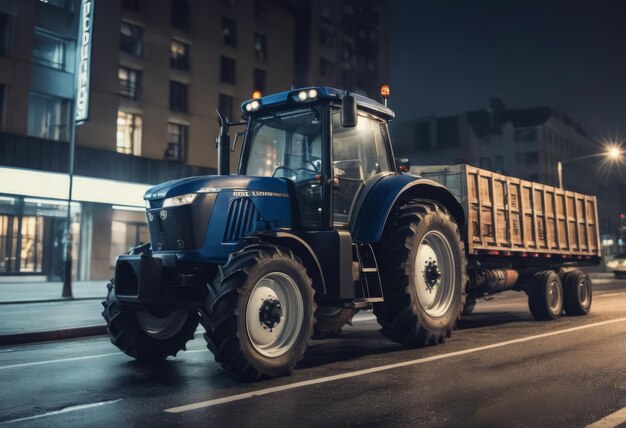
{"x": 451, "y": 56}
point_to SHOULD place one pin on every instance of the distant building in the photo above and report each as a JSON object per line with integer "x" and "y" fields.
{"x": 160, "y": 69}
{"x": 526, "y": 143}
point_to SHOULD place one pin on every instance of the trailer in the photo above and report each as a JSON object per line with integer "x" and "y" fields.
{"x": 516, "y": 226}
{"x": 322, "y": 221}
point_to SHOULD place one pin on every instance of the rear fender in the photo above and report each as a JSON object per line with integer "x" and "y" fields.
{"x": 394, "y": 190}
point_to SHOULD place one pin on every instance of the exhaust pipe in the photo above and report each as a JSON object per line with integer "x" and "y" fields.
{"x": 490, "y": 281}
{"x": 222, "y": 142}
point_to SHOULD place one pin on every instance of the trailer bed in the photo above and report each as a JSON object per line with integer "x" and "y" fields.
{"x": 509, "y": 216}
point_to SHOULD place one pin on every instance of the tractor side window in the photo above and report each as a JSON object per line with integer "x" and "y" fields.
{"x": 359, "y": 154}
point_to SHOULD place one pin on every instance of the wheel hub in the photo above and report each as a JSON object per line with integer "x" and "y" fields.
{"x": 432, "y": 274}
{"x": 270, "y": 313}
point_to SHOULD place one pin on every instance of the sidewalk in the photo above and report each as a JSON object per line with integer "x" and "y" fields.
{"x": 34, "y": 312}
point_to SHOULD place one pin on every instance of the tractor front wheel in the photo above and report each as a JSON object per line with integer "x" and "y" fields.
{"x": 148, "y": 336}
{"x": 259, "y": 313}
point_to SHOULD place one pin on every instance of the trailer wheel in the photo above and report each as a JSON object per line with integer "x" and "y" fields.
{"x": 423, "y": 271}
{"x": 329, "y": 320}
{"x": 545, "y": 296}
{"x": 148, "y": 336}
{"x": 578, "y": 293}
{"x": 259, "y": 313}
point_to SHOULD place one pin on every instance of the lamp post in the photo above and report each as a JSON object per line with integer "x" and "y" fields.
{"x": 612, "y": 153}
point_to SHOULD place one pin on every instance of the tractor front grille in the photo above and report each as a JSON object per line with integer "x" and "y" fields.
{"x": 242, "y": 219}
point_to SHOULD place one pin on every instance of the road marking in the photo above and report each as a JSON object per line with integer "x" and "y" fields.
{"x": 272, "y": 390}
{"x": 613, "y": 420}
{"x": 66, "y": 410}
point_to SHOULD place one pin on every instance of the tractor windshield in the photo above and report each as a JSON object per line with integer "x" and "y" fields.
{"x": 285, "y": 144}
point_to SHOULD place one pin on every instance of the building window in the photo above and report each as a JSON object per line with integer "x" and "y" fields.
{"x": 259, "y": 80}
{"x": 176, "y": 142}
{"x": 260, "y": 46}
{"x": 131, "y": 39}
{"x": 260, "y": 10}
{"x": 226, "y": 105}
{"x": 130, "y": 82}
{"x": 180, "y": 14}
{"x": 227, "y": 70}
{"x": 49, "y": 50}
{"x": 4, "y": 34}
{"x": 178, "y": 96}
{"x": 229, "y": 32}
{"x": 48, "y": 117}
{"x": 499, "y": 164}
{"x": 326, "y": 68}
{"x": 133, "y": 5}
{"x": 527, "y": 135}
{"x": 128, "y": 138}
{"x": 179, "y": 55}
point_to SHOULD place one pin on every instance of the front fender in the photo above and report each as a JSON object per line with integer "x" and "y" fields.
{"x": 378, "y": 201}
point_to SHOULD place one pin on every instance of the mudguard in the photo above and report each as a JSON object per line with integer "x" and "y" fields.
{"x": 376, "y": 204}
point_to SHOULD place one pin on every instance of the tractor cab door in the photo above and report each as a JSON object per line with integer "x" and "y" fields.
{"x": 359, "y": 154}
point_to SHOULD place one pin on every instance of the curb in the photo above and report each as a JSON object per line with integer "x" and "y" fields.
{"x": 44, "y": 336}
{"x": 67, "y": 299}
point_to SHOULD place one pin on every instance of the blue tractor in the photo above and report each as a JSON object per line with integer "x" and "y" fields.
{"x": 318, "y": 223}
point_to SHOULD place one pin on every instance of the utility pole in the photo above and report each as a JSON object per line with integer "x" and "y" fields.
{"x": 80, "y": 114}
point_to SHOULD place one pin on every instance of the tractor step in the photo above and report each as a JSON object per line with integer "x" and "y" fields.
{"x": 369, "y": 288}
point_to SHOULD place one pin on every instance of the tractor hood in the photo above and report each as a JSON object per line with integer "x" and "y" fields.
{"x": 216, "y": 183}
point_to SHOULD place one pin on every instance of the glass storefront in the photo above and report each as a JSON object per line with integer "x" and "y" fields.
{"x": 32, "y": 235}
{"x": 128, "y": 228}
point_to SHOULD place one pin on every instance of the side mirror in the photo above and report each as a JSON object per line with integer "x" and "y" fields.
{"x": 403, "y": 165}
{"x": 348, "y": 111}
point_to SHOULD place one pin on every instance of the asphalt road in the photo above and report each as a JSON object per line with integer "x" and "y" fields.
{"x": 500, "y": 368}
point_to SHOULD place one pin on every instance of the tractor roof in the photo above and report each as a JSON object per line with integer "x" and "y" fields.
{"x": 301, "y": 96}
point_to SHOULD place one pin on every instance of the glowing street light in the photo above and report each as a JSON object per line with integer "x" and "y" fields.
{"x": 613, "y": 153}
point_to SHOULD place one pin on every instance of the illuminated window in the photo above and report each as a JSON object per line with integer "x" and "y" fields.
{"x": 179, "y": 55}
{"x": 48, "y": 117}
{"x": 49, "y": 50}
{"x": 130, "y": 82}
{"x": 131, "y": 39}
{"x": 176, "y": 142}
{"x": 128, "y": 138}
{"x": 229, "y": 32}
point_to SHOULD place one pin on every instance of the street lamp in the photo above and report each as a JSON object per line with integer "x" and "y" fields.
{"x": 613, "y": 152}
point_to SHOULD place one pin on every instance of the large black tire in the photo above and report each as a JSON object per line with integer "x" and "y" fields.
{"x": 545, "y": 296}
{"x": 233, "y": 322}
{"x": 577, "y": 292}
{"x": 329, "y": 320}
{"x": 131, "y": 332}
{"x": 403, "y": 316}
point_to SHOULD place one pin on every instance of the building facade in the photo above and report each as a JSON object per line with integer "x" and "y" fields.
{"x": 526, "y": 143}
{"x": 159, "y": 71}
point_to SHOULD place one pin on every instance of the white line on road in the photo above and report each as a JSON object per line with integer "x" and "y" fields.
{"x": 61, "y": 360}
{"x": 66, "y": 410}
{"x": 613, "y": 420}
{"x": 266, "y": 391}
{"x": 609, "y": 295}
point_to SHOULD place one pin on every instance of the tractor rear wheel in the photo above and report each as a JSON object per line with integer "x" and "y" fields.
{"x": 578, "y": 293}
{"x": 423, "y": 272}
{"x": 329, "y": 320}
{"x": 148, "y": 336}
{"x": 545, "y": 296}
{"x": 259, "y": 313}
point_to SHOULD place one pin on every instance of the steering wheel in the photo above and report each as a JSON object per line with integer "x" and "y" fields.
{"x": 286, "y": 168}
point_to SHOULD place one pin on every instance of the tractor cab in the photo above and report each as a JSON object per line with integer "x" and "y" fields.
{"x": 329, "y": 145}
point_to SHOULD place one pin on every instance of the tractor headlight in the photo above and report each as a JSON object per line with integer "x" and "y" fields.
{"x": 179, "y": 200}
{"x": 253, "y": 105}
{"x": 305, "y": 95}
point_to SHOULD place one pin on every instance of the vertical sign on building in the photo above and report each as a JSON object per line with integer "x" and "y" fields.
{"x": 83, "y": 61}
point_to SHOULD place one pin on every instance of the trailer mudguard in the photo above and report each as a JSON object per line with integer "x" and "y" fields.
{"x": 376, "y": 203}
